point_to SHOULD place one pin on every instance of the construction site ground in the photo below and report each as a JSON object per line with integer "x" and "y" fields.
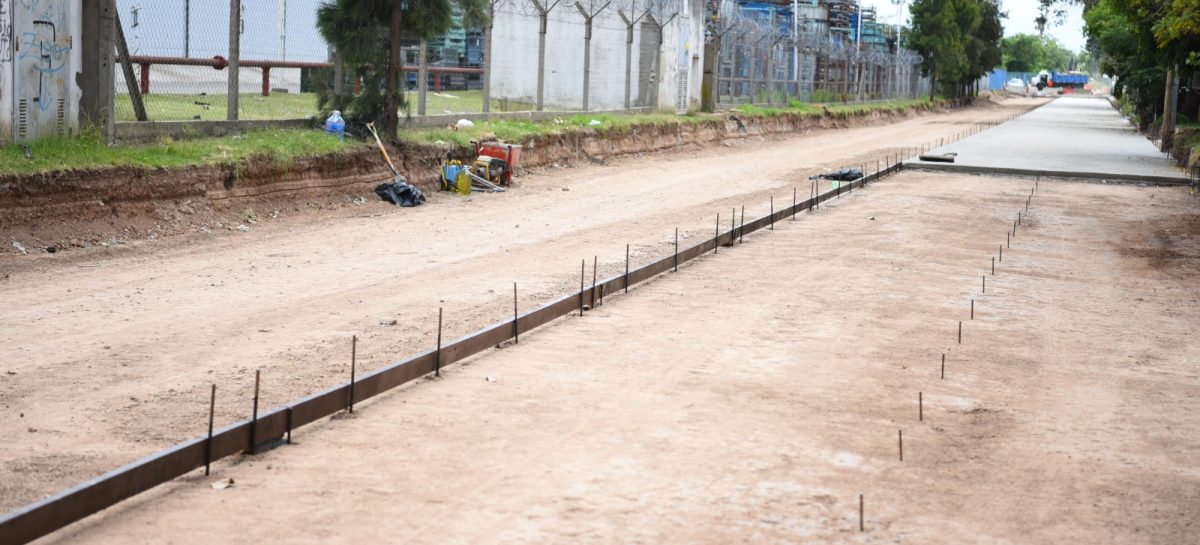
{"x": 751, "y": 396}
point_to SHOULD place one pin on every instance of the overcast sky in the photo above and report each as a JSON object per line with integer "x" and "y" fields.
{"x": 1021, "y": 15}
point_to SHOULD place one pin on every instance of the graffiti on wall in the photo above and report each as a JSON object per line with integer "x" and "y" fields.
{"x": 44, "y": 51}
{"x": 6, "y": 42}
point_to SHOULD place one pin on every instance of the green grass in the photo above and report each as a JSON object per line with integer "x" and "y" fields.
{"x": 87, "y": 152}
{"x": 252, "y": 106}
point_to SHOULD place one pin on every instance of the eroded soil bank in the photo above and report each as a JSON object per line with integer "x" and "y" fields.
{"x": 66, "y": 210}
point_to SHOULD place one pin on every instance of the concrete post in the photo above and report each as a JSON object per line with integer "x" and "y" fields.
{"x": 96, "y": 78}
{"x": 487, "y": 57}
{"x": 235, "y": 35}
{"x": 708, "y": 82}
{"x": 543, "y": 15}
{"x": 628, "y": 54}
{"x": 422, "y": 76}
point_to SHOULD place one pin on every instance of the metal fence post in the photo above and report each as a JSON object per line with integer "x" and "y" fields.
{"x": 235, "y": 34}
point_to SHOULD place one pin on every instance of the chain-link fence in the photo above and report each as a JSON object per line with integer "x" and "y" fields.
{"x": 535, "y": 55}
{"x": 771, "y": 60}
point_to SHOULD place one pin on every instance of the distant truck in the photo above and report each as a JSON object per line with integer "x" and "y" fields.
{"x": 1046, "y": 79}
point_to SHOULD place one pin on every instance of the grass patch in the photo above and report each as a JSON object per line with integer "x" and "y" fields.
{"x": 253, "y": 106}
{"x": 88, "y": 151}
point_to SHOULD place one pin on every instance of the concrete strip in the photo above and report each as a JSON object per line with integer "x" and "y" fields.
{"x": 1107, "y": 177}
{"x": 1075, "y": 137}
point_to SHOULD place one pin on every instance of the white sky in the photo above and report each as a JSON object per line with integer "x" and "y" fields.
{"x": 1020, "y": 20}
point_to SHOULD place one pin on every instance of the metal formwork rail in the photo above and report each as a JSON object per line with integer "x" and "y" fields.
{"x": 43, "y": 517}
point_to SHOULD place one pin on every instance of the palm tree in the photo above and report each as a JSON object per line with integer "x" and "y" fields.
{"x": 366, "y": 35}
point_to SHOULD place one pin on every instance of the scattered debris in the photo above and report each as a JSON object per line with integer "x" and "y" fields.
{"x": 51, "y": 249}
{"x": 223, "y": 484}
{"x": 400, "y": 192}
{"x": 594, "y": 123}
{"x": 20, "y": 248}
{"x": 843, "y": 175}
{"x": 243, "y": 228}
{"x": 464, "y": 124}
{"x": 942, "y": 158}
{"x": 489, "y": 379}
{"x": 387, "y": 321}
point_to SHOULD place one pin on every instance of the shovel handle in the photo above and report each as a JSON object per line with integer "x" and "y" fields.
{"x": 371, "y": 127}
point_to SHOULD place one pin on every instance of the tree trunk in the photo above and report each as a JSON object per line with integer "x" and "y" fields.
{"x": 391, "y": 111}
{"x": 1168, "y": 125}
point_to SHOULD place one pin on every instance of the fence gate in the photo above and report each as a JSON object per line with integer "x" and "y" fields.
{"x": 681, "y": 75}
{"x": 42, "y": 51}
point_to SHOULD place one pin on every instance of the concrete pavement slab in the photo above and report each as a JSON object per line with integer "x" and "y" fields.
{"x": 1077, "y": 137}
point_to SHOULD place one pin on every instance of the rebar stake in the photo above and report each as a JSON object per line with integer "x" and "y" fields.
{"x": 353, "y": 364}
{"x": 943, "y": 366}
{"x": 212, "y": 404}
{"x": 921, "y": 406}
{"x": 437, "y": 362}
{"x": 900, "y": 441}
{"x": 516, "y": 317}
{"x": 742, "y": 229}
{"x": 582, "y": 270}
{"x": 860, "y": 513}
{"x": 254, "y": 413}
{"x": 676, "y": 263}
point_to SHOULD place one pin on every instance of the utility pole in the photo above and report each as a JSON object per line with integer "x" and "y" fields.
{"x": 187, "y": 28}
{"x": 282, "y": 30}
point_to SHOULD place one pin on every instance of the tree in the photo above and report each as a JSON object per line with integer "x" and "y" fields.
{"x": 959, "y": 41}
{"x": 366, "y": 35}
{"x": 1022, "y": 53}
{"x": 1056, "y": 57}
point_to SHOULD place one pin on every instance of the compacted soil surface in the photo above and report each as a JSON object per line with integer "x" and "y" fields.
{"x": 108, "y": 354}
{"x": 756, "y": 395}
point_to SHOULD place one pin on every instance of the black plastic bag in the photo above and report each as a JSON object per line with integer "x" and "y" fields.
{"x": 400, "y": 192}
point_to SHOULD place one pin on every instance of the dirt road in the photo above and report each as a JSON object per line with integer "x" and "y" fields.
{"x": 765, "y": 388}
{"x": 108, "y": 358}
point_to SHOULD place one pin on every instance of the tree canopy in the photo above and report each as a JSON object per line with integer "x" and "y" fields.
{"x": 1029, "y": 53}
{"x": 1138, "y": 40}
{"x": 959, "y": 40}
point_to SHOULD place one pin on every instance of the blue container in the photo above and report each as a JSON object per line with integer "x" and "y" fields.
{"x": 335, "y": 125}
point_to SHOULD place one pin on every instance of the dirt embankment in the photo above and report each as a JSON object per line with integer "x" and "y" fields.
{"x": 59, "y": 210}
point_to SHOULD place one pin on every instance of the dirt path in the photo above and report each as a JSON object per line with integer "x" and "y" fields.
{"x": 106, "y": 359}
{"x": 769, "y": 395}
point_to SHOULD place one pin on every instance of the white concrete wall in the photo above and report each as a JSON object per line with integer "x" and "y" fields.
{"x": 515, "y": 53}
{"x": 193, "y": 80}
{"x": 6, "y": 55}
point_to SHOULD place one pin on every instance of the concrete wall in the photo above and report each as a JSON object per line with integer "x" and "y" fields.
{"x": 6, "y": 56}
{"x": 515, "y": 53}
{"x": 40, "y": 58}
{"x": 193, "y": 80}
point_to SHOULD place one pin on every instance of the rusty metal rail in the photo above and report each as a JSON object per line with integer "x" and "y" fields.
{"x": 43, "y": 517}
